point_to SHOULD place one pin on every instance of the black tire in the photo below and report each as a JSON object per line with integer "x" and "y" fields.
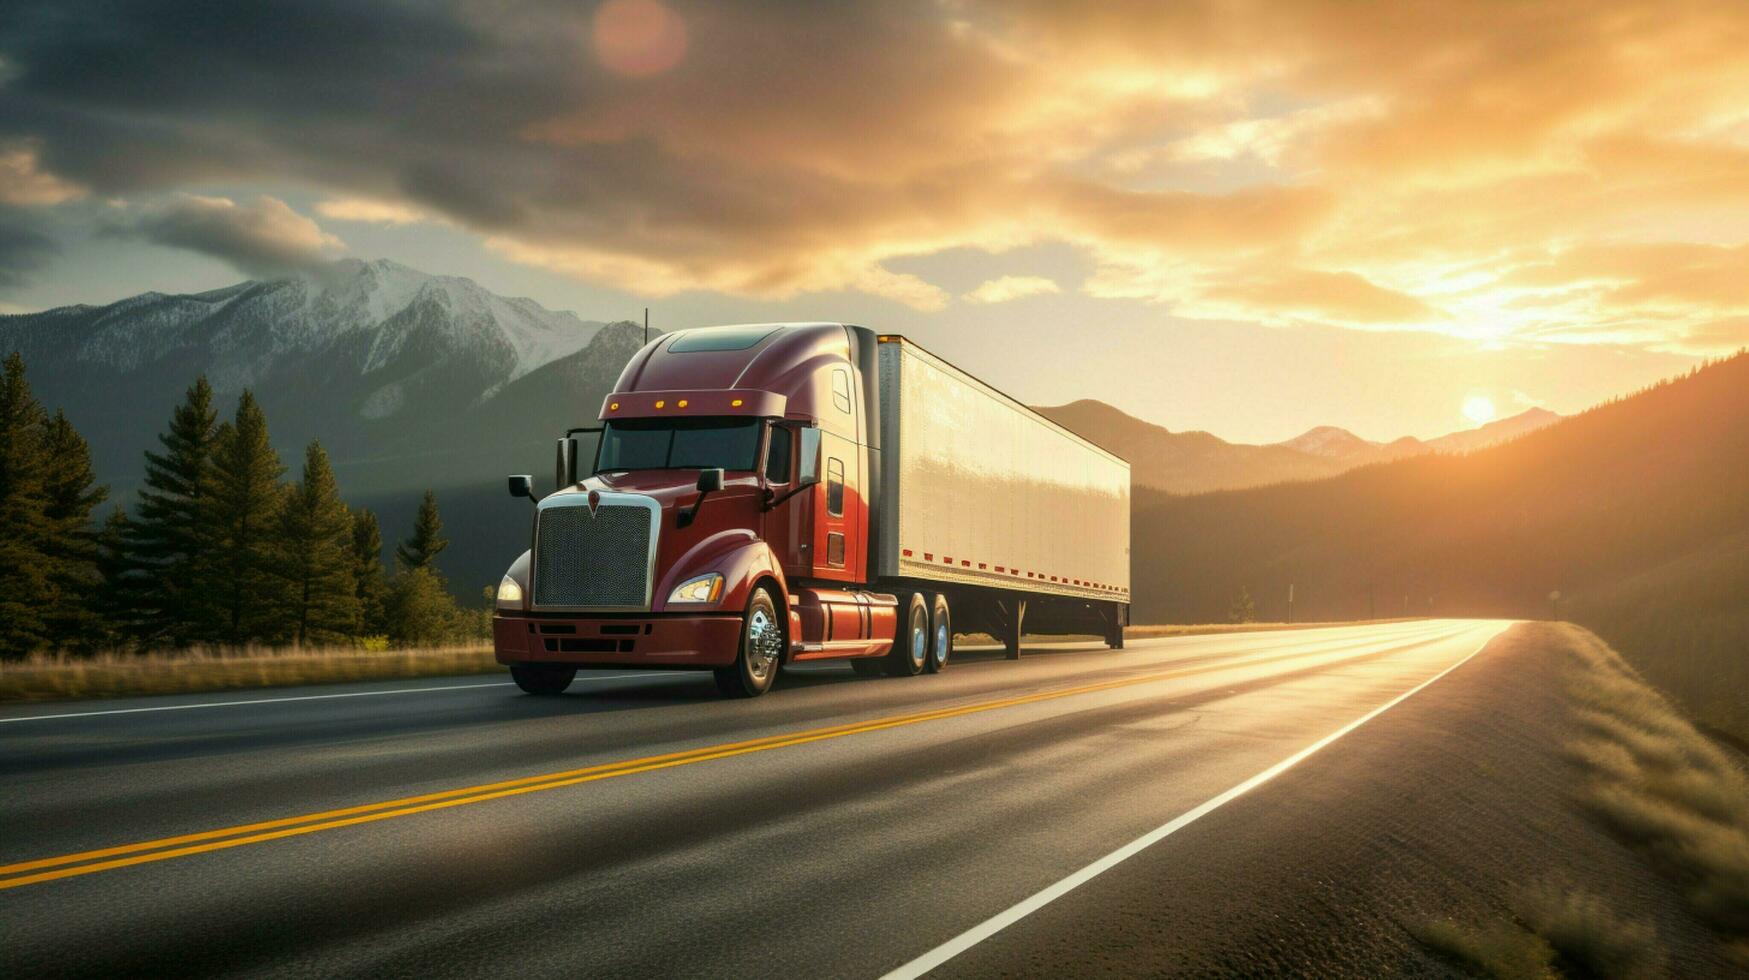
{"x": 940, "y": 635}
{"x": 911, "y": 647}
{"x": 761, "y": 651}
{"x": 542, "y": 680}
{"x": 868, "y": 666}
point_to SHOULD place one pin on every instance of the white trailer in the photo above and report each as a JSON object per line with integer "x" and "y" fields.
{"x": 978, "y": 490}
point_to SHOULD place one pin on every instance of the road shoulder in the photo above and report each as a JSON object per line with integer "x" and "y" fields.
{"x": 1451, "y": 807}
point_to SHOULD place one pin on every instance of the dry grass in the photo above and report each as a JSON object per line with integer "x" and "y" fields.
{"x": 1655, "y": 780}
{"x": 1589, "y": 938}
{"x": 1555, "y": 931}
{"x": 1504, "y": 950}
{"x": 125, "y": 675}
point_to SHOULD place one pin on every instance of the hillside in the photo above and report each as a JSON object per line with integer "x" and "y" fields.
{"x": 410, "y": 380}
{"x": 1197, "y": 462}
{"x": 1637, "y": 512}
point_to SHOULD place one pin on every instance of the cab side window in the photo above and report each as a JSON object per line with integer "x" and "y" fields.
{"x": 777, "y": 457}
{"x": 834, "y": 487}
{"x": 841, "y": 390}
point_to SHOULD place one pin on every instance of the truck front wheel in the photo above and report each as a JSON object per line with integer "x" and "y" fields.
{"x": 761, "y": 650}
{"x": 542, "y": 680}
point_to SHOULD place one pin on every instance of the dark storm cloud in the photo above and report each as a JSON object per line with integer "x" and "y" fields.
{"x": 24, "y": 246}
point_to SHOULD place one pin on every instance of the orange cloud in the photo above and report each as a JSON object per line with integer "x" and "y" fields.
{"x": 1572, "y": 171}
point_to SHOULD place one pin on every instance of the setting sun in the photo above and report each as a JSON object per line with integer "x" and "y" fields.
{"x": 1479, "y": 409}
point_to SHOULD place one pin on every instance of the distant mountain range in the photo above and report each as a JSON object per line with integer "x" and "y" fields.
{"x": 1636, "y": 512}
{"x": 416, "y": 381}
{"x": 1197, "y": 462}
{"x": 410, "y": 380}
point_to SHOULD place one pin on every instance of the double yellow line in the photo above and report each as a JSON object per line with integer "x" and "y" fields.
{"x": 163, "y": 849}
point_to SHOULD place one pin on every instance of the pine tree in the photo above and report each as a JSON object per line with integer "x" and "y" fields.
{"x": 315, "y": 539}
{"x": 367, "y": 570}
{"x": 121, "y": 585}
{"x": 70, "y": 493}
{"x": 1244, "y": 608}
{"x": 171, "y": 539}
{"x": 420, "y": 550}
{"x": 24, "y": 525}
{"x": 244, "y": 520}
{"x": 421, "y": 612}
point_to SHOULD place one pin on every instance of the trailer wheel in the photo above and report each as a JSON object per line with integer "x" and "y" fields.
{"x": 761, "y": 650}
{"x": 940, "y": 636}
{"x": 911, "y": 648}
{"x": 542, "y": 680}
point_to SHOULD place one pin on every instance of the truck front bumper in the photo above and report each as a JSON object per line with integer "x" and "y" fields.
{"x": 654, "y": 641}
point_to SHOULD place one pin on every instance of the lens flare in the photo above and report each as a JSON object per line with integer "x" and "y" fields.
{"x": 638, "y": 38}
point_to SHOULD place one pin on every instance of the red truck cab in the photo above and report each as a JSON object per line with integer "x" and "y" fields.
{"x": 724, "y": 523}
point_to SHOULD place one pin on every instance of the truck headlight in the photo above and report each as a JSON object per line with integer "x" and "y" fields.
{"x": 700, "y": 588}
{"x": 509, "y": 594}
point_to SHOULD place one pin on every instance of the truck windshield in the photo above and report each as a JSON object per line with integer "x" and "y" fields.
{"x": 679, "y": 444}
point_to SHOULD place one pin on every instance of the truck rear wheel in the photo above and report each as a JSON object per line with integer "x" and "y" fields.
{"x": 911, "y": 647}
{"x": 542, "y": 680}
{"x": 761, "y": 652}
{"x": 940, "y": 636}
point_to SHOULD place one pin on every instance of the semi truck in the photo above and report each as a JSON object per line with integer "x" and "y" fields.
{"x": 768, "y": 494}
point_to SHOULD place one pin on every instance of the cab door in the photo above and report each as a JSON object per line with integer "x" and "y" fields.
{"x": 836, "y": 550}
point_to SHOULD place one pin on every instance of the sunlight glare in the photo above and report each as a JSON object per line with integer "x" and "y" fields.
{"x": 1479, "y": 409}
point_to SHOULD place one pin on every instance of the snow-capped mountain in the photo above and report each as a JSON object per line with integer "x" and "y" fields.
{"x": 377, "y": 360}
{"x": 411, "y": 381}
{"x": 375, "y": 313}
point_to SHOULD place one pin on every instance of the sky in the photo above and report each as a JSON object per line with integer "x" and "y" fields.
{"x": 1239, "y": 216}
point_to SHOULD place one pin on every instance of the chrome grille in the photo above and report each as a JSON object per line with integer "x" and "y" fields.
{"x": 593, "y": 561}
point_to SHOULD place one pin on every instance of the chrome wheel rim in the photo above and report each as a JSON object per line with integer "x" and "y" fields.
{"x": 763, "y": 643}
{"x": 940, "y": 644}
{"x": 919, "y": 640}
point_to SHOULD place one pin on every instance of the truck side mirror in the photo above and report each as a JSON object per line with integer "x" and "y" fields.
{"x": 522, "y": 485}
{"x": 565, "y": 464}
{"x": 808, "y": 456}
{"x": 709, "y": 482}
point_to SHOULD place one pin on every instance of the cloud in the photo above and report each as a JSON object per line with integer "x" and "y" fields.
{"x": 263, "y": 237}
{"x": 1332, "y": 297}
{"x": 370, "y": 211}
{"x": 24, "y": 183}
{"x": 1011, "y": 287}
{"x": 24, "y": 246}
{"x": 1426, "y": 166}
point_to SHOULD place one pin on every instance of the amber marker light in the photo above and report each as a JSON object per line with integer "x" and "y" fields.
{"x": 682, "y": 403}
{"x": 660, "y": 403}
{"x": 614, "y": 407}
{"x": 735, "y": 404}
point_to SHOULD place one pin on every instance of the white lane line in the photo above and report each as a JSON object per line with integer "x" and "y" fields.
{"x": 306, "y": 697}
{"x": 1002, "y": 920}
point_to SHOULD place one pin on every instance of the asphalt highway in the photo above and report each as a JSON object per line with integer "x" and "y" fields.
{"x": 640, "y": 826}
